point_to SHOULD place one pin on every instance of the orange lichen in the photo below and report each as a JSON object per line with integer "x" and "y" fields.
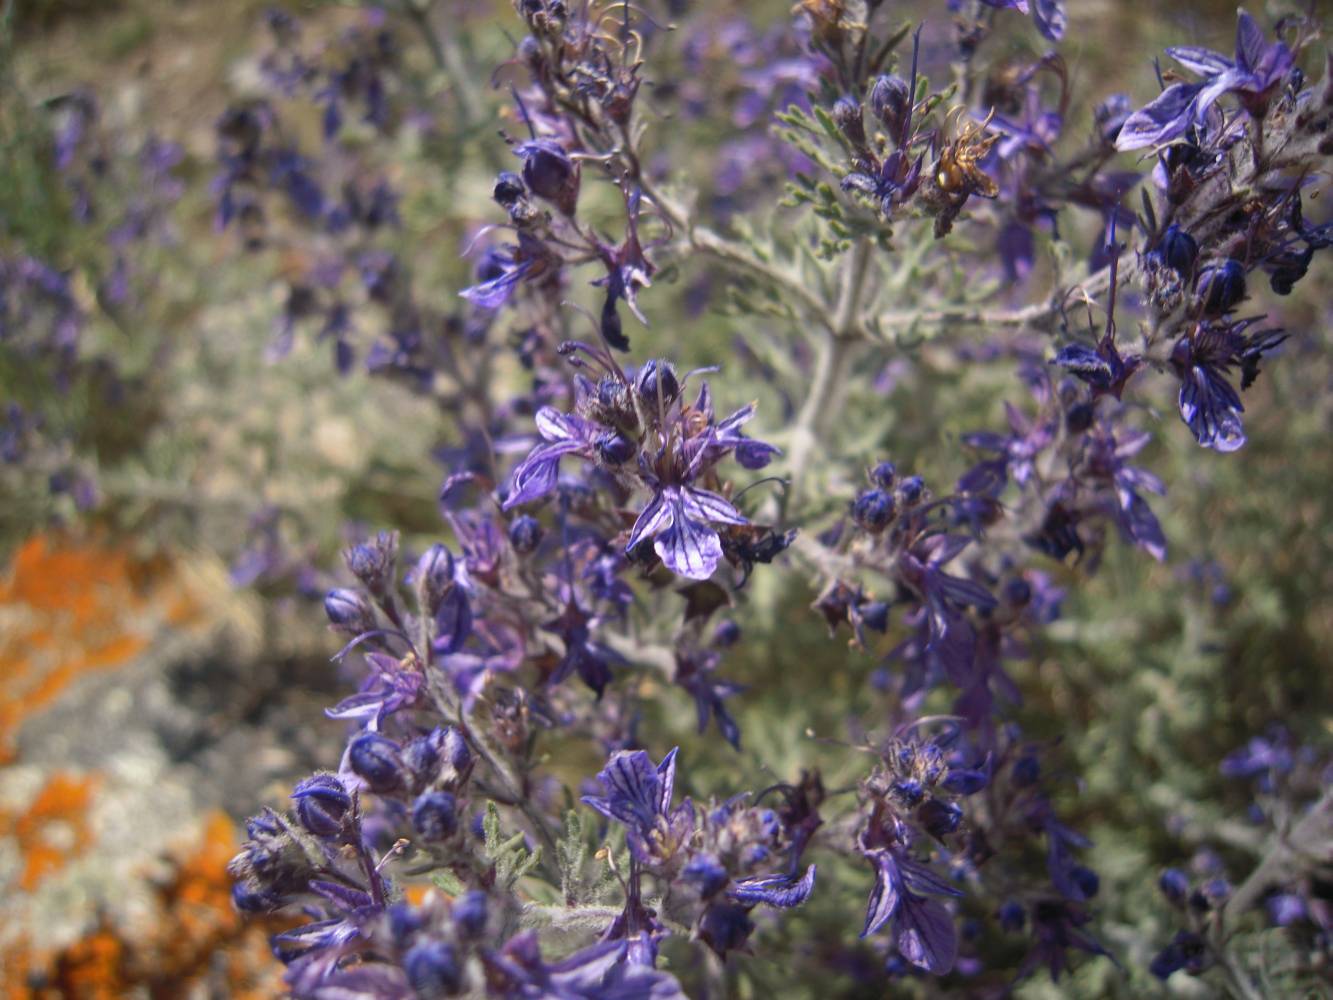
{"x": 52, "y": 829}
{"x": 198, "y": 944}
{"x": 77, "y": 608}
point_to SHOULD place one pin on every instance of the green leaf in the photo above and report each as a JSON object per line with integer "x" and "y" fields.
{"x": 448, "y": 882}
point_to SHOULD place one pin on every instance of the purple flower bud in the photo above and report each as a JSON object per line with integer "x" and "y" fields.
{"x": 1186, "y": 952}
{"x": 249, "y": 898}
{"x": 525, "y": 534}
{"x": 1175, "y": 885}
{"x": 910, "y": 491}
{"x": 372, "y": 563}
{"x": 435, "y": 815}
{"x": 657, "y": 381}
{"x": 374, "y": 759}
{"x": 469, "y": 913}
{"x": 754, "y": 455}
{"x": 725, "y": 927}
{"x": 550, "y": 173}
{"x": 349, "y": 611}
{"x": 1216, "y": 891}
{"x": 727, "y": 633}
{"x": 1087, "y": 880}
{"x": 874, "y": 615}
{"x": 883, "y": 475}
{"x": 433, "y": 969}
{"x": 890, "y": 100}
{"x": 1078, "y": 419}
{"x": 706, "y": 874}
{"x": 939, "y": 818}
{"x": 847, "y": 114}
{"x": 1017, "y": 592}
{"x": 404, "y": 921}
{"x": 508, "y": 188}
{"x": 434, "y": 577}
{"x": 908, "y": 791}
{"x": 1285, "y": 909}
{"x": 1178, "y": 249}
{"x": 1027, "y": 771}
{"x": 1221, "y": 287}
{"x": 873, "y": 510}
{"x": 321, "y": 804}
{"x": 1011, "y": 916}
{"x": 615, "y": 449}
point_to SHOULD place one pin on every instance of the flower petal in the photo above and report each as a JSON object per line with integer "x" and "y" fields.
{"x": 689, "y": 548}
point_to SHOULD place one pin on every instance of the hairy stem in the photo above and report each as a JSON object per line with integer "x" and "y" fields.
{"x": 836, "y": 346}
{"x": 1308, "y": 843}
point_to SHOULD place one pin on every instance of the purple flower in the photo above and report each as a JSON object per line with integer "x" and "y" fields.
{"x": 1257, "y": 70}
{"x": 536, "y": 475}
{"x": 783, "y": 891}
{"x": 498, "y": 275}
{"x": 1208, "y": 403}
{"x": 638, "y": 795}
{"x": 679, "y": 519}
{"x": 923, "y": 928}
{"x": 591, "y": 660}
{"x": 695, "y": 673}
{"x": 389, "y": 687}
{"x": 550, "y": 173}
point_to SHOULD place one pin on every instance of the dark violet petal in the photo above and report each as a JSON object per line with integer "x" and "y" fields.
{"x": 1140, "y": 479}
{"x": 633, "y": 789}
{"x": 1086, "y": 363}
{"x": 921, "y": 879}
{"x": 885, "y": 895}
{"x": 496, "y": 292}
{"x": 775, "y": 890}
{"x": 963, "y": 591}
{"x": 1211, "y": 409}
{"x": 358, "y": 706}
{"x": 736, "y": 419}
{"x": 1049, "y": 16}
{"x": 1141, "y": 524}
{"x": 926, "y": 935}
{"x": 341, "y": 896}
{"x": 941, "y": 549}
{"x": 1250, "y": 43}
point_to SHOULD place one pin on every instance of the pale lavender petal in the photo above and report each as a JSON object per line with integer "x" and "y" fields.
{"x": 705, "y": 506}
{"x": 689, "y": 548}
{"x": 1205, "y": 62}
{"x": 652, "y": 521}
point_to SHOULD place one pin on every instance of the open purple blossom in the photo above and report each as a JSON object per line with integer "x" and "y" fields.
{"x": 903, "y": 893}
{"x": 637, "y": 795}
{"x": 1253, "y": 75}
{"x": 1203, "y": 359}
{"x": 644, "y": 434}
{"x": 679, "y": 520}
